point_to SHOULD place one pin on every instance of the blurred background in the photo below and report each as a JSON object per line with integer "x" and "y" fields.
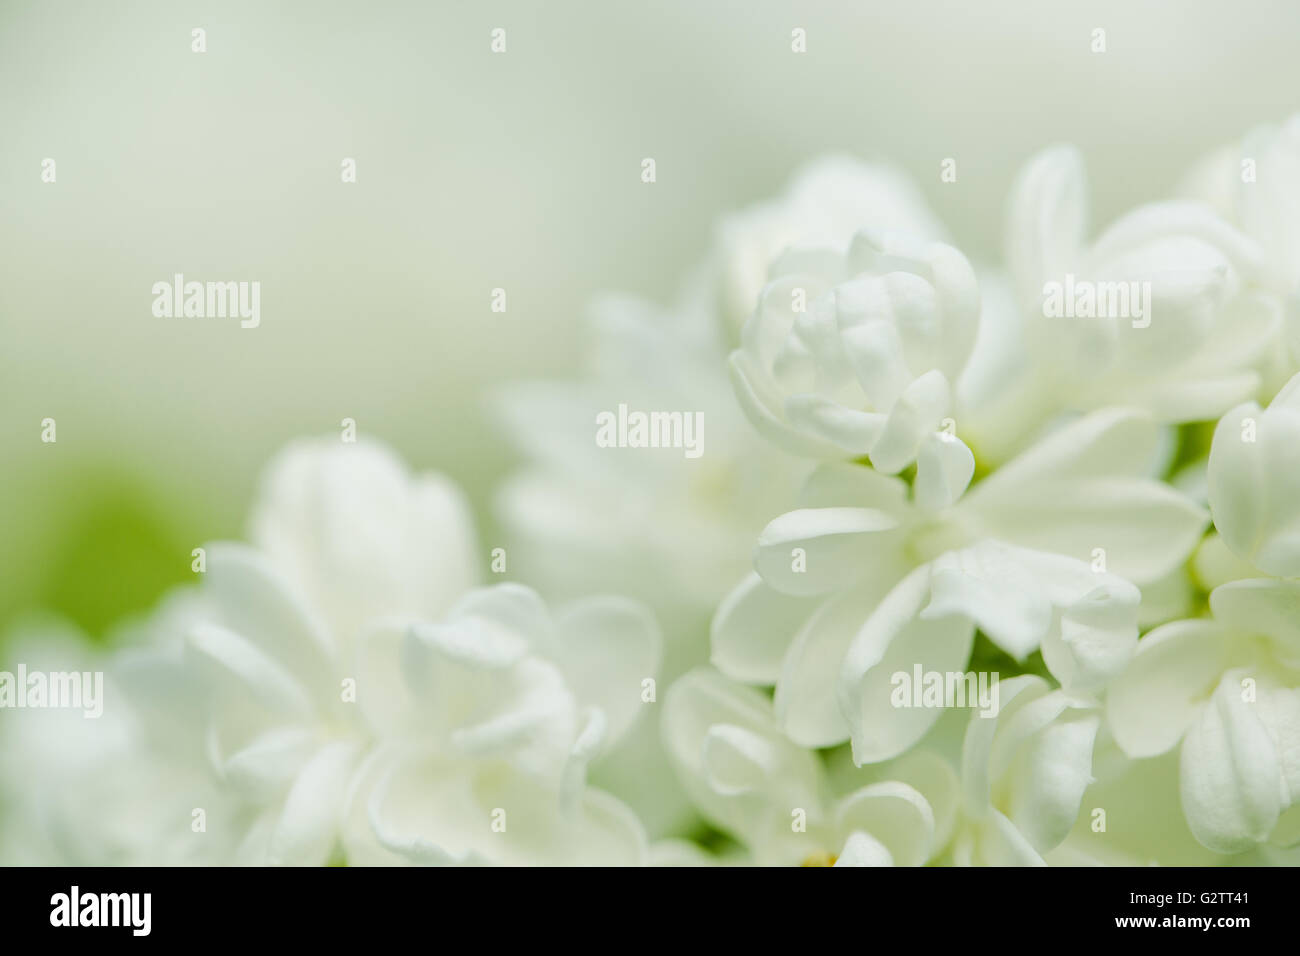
{"x": 474, "y": 171}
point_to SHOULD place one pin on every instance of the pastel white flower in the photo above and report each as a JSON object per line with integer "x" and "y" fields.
{"x": 1185, "y": 346}
{"x": 130, "y": 787}
{"x": 827, "y": 201}
{"x": 751, "y": 781}
{"x": 1229, "y": 690}
{"x": 648, "y": 523}
{"x": 294, "y": 690}
{"x": 1255, "y": 184}
{"x": 488, "y": 720}
{"x": 852, "y": 352}
{"x": 865, "y": 580}
{"x": 359, "y": 537}
{"x": 1126, "y": 817}
{"x": 345, "y": 538}
{"x": 1254, "y": 482}
{"x": 1023, "y": 775}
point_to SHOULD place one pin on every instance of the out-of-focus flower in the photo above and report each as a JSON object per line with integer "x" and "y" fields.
{"x": 645, "y": 522}
{"x": 863, "y": 581}
{"x": 827, "y": 202}
{"x": 751, "y": 781}
{"x": 487, "y": 720}
{"x": 1255, "y": 184}
{"x": 648, "y": 523}
{"x": 1167, "y": 310}
{"x": 344, "y": 538}
{"x": 309, "y": 679}
{"x": 852, "y": 352}
{"x": 118, "y": 790}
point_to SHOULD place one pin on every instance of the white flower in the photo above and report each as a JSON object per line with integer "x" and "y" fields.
{"x": 488, "y": 719}
{"x": 131, "y": 787}
{"x": 863, "y": 581}
{"x": 1229, "y": 690}
{"x": 1196, "y": 348}
{"x": 345, "y": 538}
{"x": 647, "y": 523}
{"x": 359, "y": 537}
{"x": 1126, "y": 818}
{"x": 852, "y": 352}
{"x": 827, "y": 201}
{"x": 309, "y": 681}
{"x": 751, "y": 781}
{"x": 1256, "y": 185}
{"x": 1023, "y": 775}
{"x": 1254, "y": 482}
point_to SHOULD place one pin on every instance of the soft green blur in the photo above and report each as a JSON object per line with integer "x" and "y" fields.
{"x": 475, "y": 171}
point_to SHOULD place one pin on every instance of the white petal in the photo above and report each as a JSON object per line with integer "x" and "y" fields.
{"x": 944, "y": 468}
{"x": 896, "y": 639}
{"x": 606, "y": 647}
{"x": 808, "y": 714}
{"x": 1048, "y": 218}
{"x": 1049, "y": 773}
{"x": 838, "y": 545}
{"x": 1066, "y": 495}
{"x": 1265, "y": 607}
{"x": 753, "y": 628}
{"x": 1254, "y": 482}
{"x": 894, "y": 814}
{"x": 1105, "y": 444}
{"x": 239, "y": 667}
{"x": 835, "y": 485}
{"x": 764, "y": 406}
{"x": 1231, "y": 783}
{"x": 741, "y": 772}
{"x": 433, "y": 813}
{"x": 997, "y": 586}
{"x": 360, "y": 536}
{"x": 252, "y": 599}
{"x": 851, "y": 430}
{"x": 977, "y": 774}
{"x": 1175, "y": 669}
{"x": 313, "y": 810}
{"x": 862, "y": 849}
{"x": 737, "y": 761}
{"x": 919, "y": 412}
{"x": 262, "y": 769}
{"x": 875, "y": 351}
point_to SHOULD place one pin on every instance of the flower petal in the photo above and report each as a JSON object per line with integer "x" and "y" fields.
{"x": 606, "y": 647}
{"x": 1175, "y": 669}
{"x": 896, "y": 639}
{"x": 817, "y": 550}
{"x": 753, "y": 628}
{"x": 1230, "y": 773}
{"x": 894, "y": 814}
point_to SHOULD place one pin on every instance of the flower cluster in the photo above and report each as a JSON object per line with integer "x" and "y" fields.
{"x": 980, "y": 564}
